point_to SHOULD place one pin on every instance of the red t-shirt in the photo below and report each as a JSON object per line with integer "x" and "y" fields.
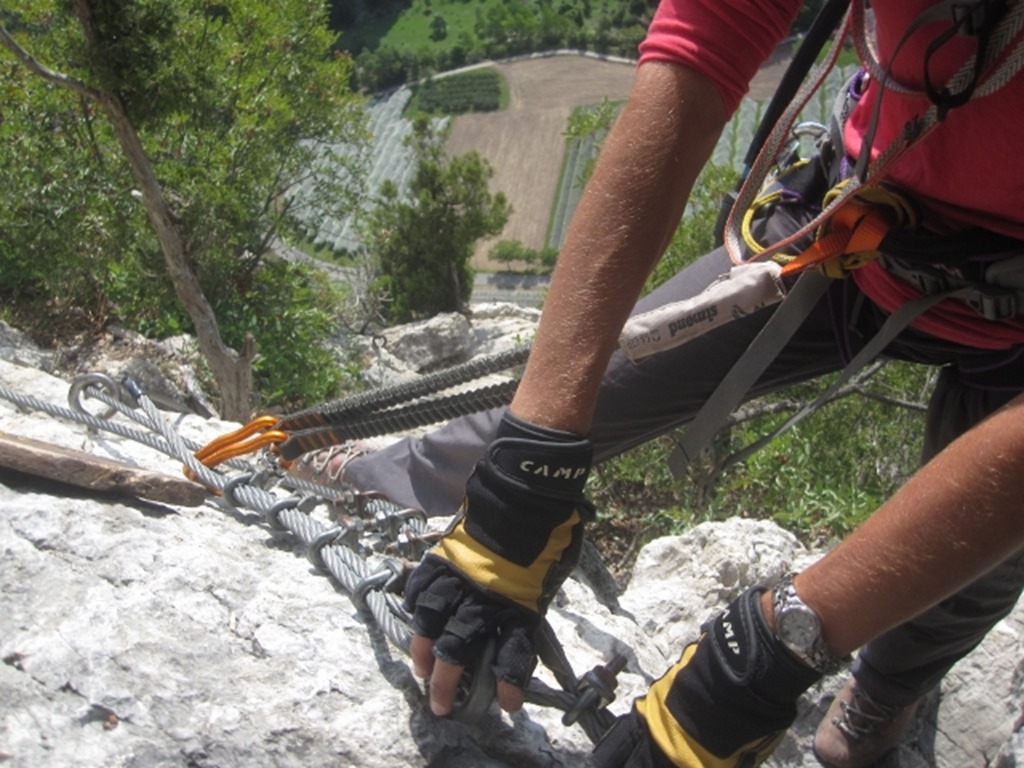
{"x": 966, "y": 173}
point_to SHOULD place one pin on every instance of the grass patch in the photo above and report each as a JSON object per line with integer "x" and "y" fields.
{"x": 412, "y": 28}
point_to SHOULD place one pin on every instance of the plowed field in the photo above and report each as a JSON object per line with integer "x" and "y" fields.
{"x": 525, "y": 143}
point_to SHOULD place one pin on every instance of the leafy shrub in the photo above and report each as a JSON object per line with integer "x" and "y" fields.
{"x": 422, "y": 241}
{"x": 290, "y": 310}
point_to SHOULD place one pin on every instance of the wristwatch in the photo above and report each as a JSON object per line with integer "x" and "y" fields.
{"x": 798, "y": 628}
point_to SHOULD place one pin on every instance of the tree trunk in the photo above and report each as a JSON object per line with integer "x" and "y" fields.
{"x": 233, "y": 372}
{"x": 457, "y": 303}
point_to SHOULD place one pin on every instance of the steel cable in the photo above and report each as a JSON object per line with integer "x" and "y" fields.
{"x": 367, "y": 589}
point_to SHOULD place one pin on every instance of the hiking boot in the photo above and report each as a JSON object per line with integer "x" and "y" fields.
{"x": 856, "y": 731}
{"x": 326, "y": 467}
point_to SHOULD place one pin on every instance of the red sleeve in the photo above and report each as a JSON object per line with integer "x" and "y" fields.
{"x": 726, "y": 40}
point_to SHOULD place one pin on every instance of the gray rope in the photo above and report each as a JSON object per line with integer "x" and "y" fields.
{"x": 338, "y": 411}
{"x": 398, "y": 420}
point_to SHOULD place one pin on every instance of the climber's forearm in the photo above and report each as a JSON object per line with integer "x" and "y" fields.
{"x": 957, "y": 518}
{"x": 625, "y": 220}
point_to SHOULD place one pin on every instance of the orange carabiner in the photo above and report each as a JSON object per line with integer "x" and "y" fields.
{"x": 253, "y": 436}
{"x": 254, "y": 426}
{"x": 850, "y": 241}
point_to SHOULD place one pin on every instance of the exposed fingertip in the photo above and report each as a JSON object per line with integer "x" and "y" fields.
{"x": 421, "y": 650}
{"x": 510, "y": 697}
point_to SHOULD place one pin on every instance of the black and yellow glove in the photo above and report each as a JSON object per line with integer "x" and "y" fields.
{"x": 516, "y": 540}
{"x": 725, "y": 704}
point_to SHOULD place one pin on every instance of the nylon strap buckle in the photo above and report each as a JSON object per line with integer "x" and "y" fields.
{"x": 993, "y": 303}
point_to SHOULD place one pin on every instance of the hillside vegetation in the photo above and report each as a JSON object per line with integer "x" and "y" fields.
{"x": 404, "y": 40}
{"x": 399, "y": 42}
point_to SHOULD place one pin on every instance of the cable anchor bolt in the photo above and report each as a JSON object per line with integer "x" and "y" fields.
{"x": 596, "y": 688}
{"x": 390, "y": 577}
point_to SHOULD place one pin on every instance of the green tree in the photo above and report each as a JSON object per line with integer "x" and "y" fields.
{"x": 438, "y": 28}
{"x": 195, "y": 123}
{"x": 422, "y": 239}
{"x": 508, "y": 252}
{"x": 512, "y": 26}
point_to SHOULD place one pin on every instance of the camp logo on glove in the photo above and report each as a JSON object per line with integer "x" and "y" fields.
{"x": 534, "y": 469}
{"x": 556, "y": 466}
{"x": 729, "y": 636}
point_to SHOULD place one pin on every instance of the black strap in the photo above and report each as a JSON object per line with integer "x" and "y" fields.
{"x": 821, "y": 29}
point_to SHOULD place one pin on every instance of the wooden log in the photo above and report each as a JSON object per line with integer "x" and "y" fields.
{"x": 96, "y": 473}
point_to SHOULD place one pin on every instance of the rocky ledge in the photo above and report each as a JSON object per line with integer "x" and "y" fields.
{"x": 145, "y": 634}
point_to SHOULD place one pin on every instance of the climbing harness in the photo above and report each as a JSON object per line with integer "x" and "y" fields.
{"x": 367, "y": 544}
{"x": 859, "y": 213}
{"x": 857, "y": 219}
{"x": 1003, "y": 55}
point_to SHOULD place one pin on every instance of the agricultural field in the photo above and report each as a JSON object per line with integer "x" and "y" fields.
{"x": 525, "y": 142}
{"x": 478, "y": 90}
{"x": 526, "y": 146}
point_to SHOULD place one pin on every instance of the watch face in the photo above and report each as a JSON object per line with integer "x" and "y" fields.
{"x": 798, "y": 627}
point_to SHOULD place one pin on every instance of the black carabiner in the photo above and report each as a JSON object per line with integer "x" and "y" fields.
{"x": 477, "y": 688}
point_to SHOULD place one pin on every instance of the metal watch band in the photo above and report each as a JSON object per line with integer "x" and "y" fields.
{"x": 818, "y": 656}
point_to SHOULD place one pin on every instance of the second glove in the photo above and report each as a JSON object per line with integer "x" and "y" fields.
{"x": 725, "y": 704}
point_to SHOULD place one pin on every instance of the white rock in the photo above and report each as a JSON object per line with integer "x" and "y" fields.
{"x": 138, "y": 634}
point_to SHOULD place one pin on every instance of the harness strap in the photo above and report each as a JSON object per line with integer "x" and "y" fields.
{"x": 992, "y": 302}
{"x": 765, "y": 347}
{"x": 890, "y": 329}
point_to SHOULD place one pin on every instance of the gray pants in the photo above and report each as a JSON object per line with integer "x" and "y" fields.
{"x": 640, "y": 401}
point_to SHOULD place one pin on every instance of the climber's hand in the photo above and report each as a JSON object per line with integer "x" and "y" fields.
{"x": 727, "y": 702}
{"x": 493, "y": 574}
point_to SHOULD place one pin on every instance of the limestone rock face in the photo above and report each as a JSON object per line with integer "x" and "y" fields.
{"x": 399, "y": 354}
{"x": 141, "y": 634}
